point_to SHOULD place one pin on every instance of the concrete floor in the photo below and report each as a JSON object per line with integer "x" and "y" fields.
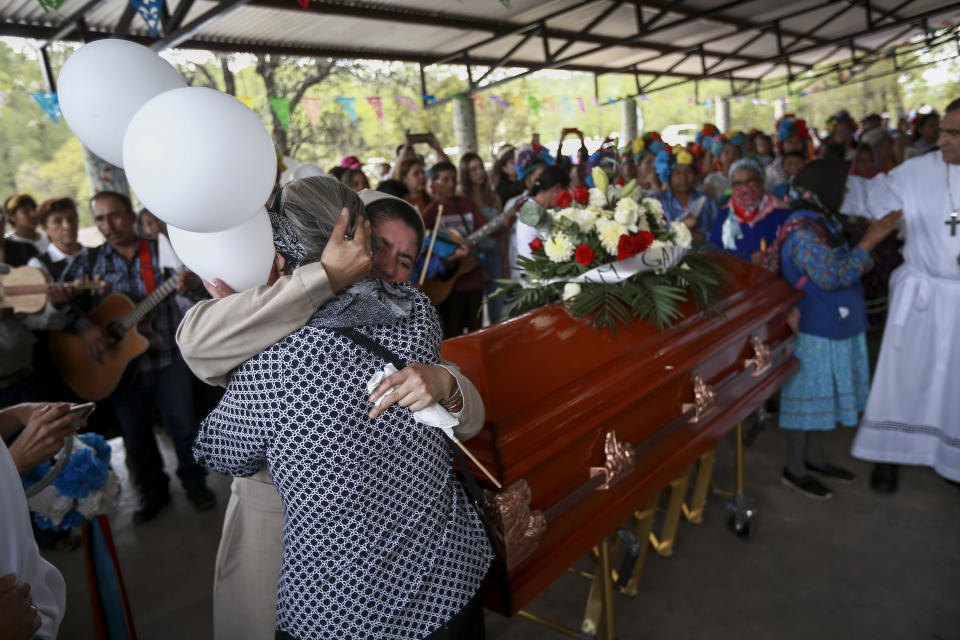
{"x": 860, "y": 565}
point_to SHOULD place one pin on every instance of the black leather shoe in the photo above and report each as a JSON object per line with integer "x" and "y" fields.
{"x": 202, "y": 498}
{"x": 807, "y": 485}
{"x": 150, "y": 506}
{"x": 833, "y": 472}
{"x": 884, "y": 478}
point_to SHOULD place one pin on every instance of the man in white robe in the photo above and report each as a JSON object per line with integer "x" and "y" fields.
{"x": 913, "y": 413}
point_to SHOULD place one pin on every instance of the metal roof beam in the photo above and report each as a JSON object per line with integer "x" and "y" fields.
{"x": 506, "y": 57}
{"x": 70, "y": 24}
{"x": 740, "y": 48}
{"x": 126, "y": 19}
{"x": 590, "y": 26}
{"x": 178, "y": 16}
{"x": 844, "y": 39}
{"x": 839, "y": 66}
{"x": 183, "y": 34}
{"x": 716, "y": 14}
{"x": 809, "y": 32}
{"x": 500, "y": 29}
{"x": 661, "y": 14}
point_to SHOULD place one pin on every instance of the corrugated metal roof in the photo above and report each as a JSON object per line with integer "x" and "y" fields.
{"x": 737, "y": 39}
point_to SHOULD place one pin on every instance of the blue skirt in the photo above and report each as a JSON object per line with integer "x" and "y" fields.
{"x": 831, "y": 386}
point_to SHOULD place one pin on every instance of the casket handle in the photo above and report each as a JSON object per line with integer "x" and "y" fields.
{"x": 762, "y": 359}
{"x": 618, "y": 461}
{"x": 704, "y": 397}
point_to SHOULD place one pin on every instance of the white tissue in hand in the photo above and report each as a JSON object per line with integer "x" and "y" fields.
{"x": 432, "y": 416}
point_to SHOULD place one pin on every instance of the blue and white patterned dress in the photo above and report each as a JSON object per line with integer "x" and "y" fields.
{"x": 834, "y": 377}
{"x": 379, "y": 540}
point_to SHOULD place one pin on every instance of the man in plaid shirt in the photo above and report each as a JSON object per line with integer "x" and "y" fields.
{"x": 163, "y": 382}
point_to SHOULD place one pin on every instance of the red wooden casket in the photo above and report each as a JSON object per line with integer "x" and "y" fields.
{"x": 583, "y": 428}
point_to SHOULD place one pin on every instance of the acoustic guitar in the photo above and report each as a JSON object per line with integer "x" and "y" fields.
{"x": 438, "y": 289}
{"x": 117, "y": 315}
{"x": 24, "y": 289}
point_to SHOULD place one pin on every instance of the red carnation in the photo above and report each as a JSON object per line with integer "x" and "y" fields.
{"x": 584, "y": 255}
{"x": 564, "y": 199}
{"x": 581, "y": 195}
{"x": 642, "y": 241}
{"x": 625, "y": 248}
{"x": 621, "y": 181}
{"x": 536, "y": 244}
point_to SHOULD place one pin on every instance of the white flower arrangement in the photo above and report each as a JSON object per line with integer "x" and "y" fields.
{"x": 608, "y": 253}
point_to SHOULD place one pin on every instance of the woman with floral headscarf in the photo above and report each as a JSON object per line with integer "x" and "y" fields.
{"x": 753, "y": 216}
{"x": 792, "y": 135}
{"x": 727, "y": 150}
{"x": 645, "y": 150}
{"x": 840, "y": 129}
{"x": 832, "y": 385}
{"x": 680, "y": 198}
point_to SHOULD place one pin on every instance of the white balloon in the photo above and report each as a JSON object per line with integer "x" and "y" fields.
{"x": 308, "y": 170}
{"x": 103, "y": 83}
{"x": 199, "y": 159}
{"x": 240, "y": 256}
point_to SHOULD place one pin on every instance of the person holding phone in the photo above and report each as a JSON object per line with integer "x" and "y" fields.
{"x": 32, "y": 592}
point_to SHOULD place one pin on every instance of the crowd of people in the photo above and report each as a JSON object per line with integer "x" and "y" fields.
{"x": 350, "y": 291}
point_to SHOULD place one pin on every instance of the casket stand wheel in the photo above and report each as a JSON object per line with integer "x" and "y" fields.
{"x": 743, "y": 508}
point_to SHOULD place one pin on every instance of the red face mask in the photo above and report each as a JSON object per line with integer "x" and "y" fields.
{"x": 746, "y": 199}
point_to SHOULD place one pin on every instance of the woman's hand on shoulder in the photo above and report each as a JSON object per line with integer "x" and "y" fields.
{"x": 416, "y": 387}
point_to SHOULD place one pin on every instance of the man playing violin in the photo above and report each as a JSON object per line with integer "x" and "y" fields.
{"x": 461, "y": 310}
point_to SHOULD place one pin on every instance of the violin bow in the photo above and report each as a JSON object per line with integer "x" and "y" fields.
{"x": 433, "y": 241}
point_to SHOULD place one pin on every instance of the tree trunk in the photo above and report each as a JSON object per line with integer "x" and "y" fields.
{"x": 228, "y": 82}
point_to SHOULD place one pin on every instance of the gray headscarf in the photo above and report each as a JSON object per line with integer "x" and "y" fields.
{"x": 303, "y": 216}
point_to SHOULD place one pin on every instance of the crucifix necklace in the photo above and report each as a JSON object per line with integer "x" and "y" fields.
{"x": 952, "y": 220}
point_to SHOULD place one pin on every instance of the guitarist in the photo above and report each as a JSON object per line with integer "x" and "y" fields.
{"x": 461, "y": 310}
{"x": 163, "y": 384}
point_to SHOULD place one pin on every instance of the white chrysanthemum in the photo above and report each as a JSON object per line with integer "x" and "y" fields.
{"x": 681, "y": 234}
{"x": 570, "y": 290}
{"x": 559, "y": 248}
{"x": 597, "y": 198}
{"x": 610, "y": 232}
{"x": 655, "y": 207}
{"x": 627, "y": 212}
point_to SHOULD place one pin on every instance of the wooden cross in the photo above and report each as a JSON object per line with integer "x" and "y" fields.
{"x": 953, "y": 222}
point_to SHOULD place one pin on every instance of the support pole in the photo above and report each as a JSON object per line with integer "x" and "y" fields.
{"x": 465, "y": 126}
{"x": 628, "y": 126}
{"x": 723, "y": 114}
{"x": 779, "y": 109}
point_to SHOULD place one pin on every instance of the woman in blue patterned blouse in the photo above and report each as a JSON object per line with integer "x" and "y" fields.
{"x": 834, "y": 378}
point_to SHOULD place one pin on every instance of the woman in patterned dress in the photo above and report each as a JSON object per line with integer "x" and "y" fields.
{"x": 379, "y": 538}
{"x": 834, "y": 379}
